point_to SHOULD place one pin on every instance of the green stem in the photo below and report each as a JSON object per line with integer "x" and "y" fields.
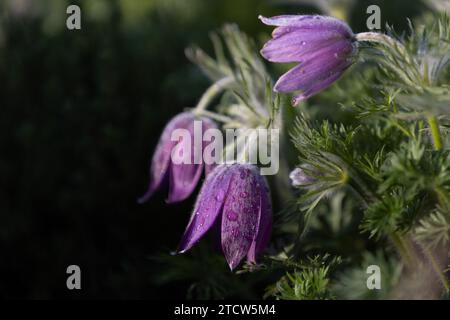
{"x": 435, "y": 133}
{"x": 437, "y": 269}
{"x": 212, "y": 92}
{"x": 214, "y": 116}
{"x": 403, "y": 248}
{"x": 380, "y": 38}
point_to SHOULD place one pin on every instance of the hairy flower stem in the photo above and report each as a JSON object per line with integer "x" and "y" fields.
{"x": 437, "y": 269}
{"x": 435, "y": 133}
{"x": 377, "y": 37}
{"x": 430, "y": 255}
{"x": 380, "y": 38}
{"x": 411, "y": 257}
{"x": 212, "y": 92}
{"x": 214, "y": 116}
{"x": 403, "y": 248}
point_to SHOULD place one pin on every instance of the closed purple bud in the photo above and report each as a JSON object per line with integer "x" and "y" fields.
{"x": 181, "y": 177}
{"x": 237, "y": 197}
{"x": 323, "y": 46}
{"x": 299, "y": 178}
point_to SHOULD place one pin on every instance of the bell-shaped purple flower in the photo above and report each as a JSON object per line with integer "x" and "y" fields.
{"x": 182, "y": 177}
{"x": 323, "y": 46}
{"x": 300, "y": 178}
{"x": 237, "y": 198}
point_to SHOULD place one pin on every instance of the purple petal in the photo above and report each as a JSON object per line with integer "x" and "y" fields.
{"x": 324, "y": 65}
{"x": 162, "y": 156}
{"x": 300, "y": 178}
{"x": 298, "y": 45}
{"x": 240, "y": 214}
{"x": 207, "y": 208}
{"x": 284, "y": 20}
{"x": 183, "y": 180}
{"x": 310, "y": 22}
{"x": 320, "y": 85}
{"x": 184, "y": 177}
{"x": 264, "y": 230}
{"x": 209, "y": 168}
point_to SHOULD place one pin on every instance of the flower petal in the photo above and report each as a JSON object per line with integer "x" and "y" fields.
{"x": 240, "y": 214}
{"x": 264, "y": 230}
{"x": 184, "y": 177}
{"x": 324, "y": 65}
{"x": 283, "y": 20}
{"x": 162, "y": 155}
{"x": 298, "y": 45}
{"x": 318, "y": 86}
{"x": 311, "y": 22}
{"x": 207, "y": 208}
{"x": 183, "y": 180}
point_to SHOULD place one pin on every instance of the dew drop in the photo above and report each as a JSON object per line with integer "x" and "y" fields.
{"x": 235, "y": 232}
{"x": 303, "y": 43}
{"x": 220, "y": 196}
{"x": 232, "y": 216}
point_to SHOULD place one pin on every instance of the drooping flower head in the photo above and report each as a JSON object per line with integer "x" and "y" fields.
{"x": 182, "y": 177}
{"x": 300, "y": 178}
{"x": 323, "y": 46}
{"x": 236, "y": 197}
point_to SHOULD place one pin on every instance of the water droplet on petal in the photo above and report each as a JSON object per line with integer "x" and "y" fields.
{"x": 303, "y": 43}
{"x": 220, "y": 196}
{"x": 232, "y": 216}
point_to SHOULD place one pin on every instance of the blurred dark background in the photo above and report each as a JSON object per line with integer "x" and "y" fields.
{"x": 81, "y": 112}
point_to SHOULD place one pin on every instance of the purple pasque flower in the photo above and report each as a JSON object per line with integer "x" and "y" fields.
{"x": 182, "y": 178}
{"x": 237, "y": 198}
{"x": 323, "y": 46}
{"x": 299, "y": 178}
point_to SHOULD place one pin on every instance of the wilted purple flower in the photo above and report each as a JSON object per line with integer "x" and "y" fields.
{"x": 182, "y": 178}
{"x": 237, "y": 198}
{"x": 323, "y": 46}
